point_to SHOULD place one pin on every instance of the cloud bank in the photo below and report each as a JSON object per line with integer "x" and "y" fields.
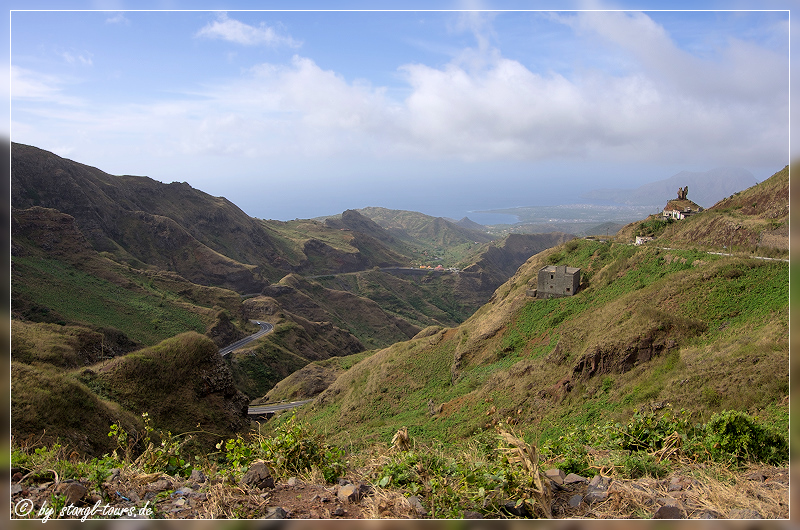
{"x": 660, "y": 104}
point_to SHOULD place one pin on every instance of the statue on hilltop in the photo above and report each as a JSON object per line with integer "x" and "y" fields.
{"x": 682, "y": 193}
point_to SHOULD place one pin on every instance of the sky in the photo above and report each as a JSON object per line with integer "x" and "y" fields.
{"x": 298, "y": 114}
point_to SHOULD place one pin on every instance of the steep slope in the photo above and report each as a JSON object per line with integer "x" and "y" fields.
{"x": 419, "y": 297}
{"x": 205, "y": 239}
{"x": 695, "y": 330}
{"x": 182, "y": 383}
{"x": 57, "y": 277}
{"x": 143, "y": 221}
{"x": 294, "y": 342}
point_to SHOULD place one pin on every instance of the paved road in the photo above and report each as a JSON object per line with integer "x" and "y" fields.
{"x": 725, "y": 254}
{"x": 265, "y": 328}
{"x": 275, "y": 407}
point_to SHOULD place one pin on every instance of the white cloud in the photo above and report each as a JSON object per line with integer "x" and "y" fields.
{"x": 85, "y": 60}
{"x": 235, "y": 31}
{"x": 33, "y": 86}
{"x": 118, "y": 18}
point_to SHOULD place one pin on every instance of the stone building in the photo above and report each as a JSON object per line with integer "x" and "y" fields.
{"x": 556, "y": 281}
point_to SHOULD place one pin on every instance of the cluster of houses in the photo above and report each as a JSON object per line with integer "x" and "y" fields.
{"x": 439, "y": 268}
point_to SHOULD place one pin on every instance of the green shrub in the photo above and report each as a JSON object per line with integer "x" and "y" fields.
{"x": 736, "y": 436}
{"x": 642, "y": 464}
{"x": 647, "y": 430}
{"x": 294, "y": 448}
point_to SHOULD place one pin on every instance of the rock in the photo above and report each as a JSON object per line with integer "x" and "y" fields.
{"x": 159, "y": 485}
{"x": 670, "y": 501}
{"x": 757, "y": 476}
{"x": 258, "y": 476}
{"x": 517, "y": 509}
{"x": 597, "y": 490}
{"x": 669, "y": 512}
{"x": 339, "y": 511}
{"x": 74, "y": 493}
{"x": 744, "y": 513}
{"x": 572, "y": 478}
{"x": 292, "y": 481}
{"x": 16, "y": 477}
{"x": 709, "y": 514}
{"x": 556, "y": 475}
{"x": 417, "y": 506}
{"x": 349, "y": 493}
{"x": 16, "y": 488}
{"x": 275, "y": 512}
{"x": 197, "y": 476}
{"x": 472, "y": 515}
{"x": 575, "y": 500}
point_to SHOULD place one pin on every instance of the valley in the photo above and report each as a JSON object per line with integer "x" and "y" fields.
{"x": 670, "y": 363}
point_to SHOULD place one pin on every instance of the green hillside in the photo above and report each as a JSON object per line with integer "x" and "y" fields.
{"x": 647, "y": 326}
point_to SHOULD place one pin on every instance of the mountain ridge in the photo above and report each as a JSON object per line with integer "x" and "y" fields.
{"x": 706, "y": 187}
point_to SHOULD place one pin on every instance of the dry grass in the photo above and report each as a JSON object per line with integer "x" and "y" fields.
{"x": 527, "y": 456}
{"x": 225, "y": 501}
{"x": 387, "y": 504}
{"x": 712, "y": 490}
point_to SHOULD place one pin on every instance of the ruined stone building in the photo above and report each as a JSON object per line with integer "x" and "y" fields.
{"x": 556, "y": 281}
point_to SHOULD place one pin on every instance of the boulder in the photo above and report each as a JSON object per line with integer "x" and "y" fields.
{"x": 275, "y": 512}
{"x": 575, "y": 500}
{"x": 197, "y": 476}
{"x": 572, "y": 478}
{"x": 744, "y": 513}
{"x": 258, "y": 476}
{"x": 556, "y": 475}
{"x": 597, "y": 491}
{"x": 74, "y": 493}
{"x": 669, "y": 512}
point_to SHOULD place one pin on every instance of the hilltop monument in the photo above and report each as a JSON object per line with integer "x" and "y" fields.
{"x": 682, "y": 207}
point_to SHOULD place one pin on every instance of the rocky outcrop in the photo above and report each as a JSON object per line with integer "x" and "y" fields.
{"x": 616, "y": 358}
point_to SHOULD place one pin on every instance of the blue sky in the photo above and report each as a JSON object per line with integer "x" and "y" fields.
{"x": 301, "y": 114}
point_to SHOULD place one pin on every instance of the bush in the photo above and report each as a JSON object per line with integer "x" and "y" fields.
{"x": 647, "y": 431}
{"x": 295, "y": 448}
{"x": 737, "y": 437}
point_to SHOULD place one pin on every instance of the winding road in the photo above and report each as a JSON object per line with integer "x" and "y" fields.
{"x": 266, "y": 327}
{"x": 261, "y": 410}
{"x": 266, "y": 410}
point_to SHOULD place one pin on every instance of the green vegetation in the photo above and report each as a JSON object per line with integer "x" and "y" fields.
{"x": 437, "y": 299}
{"x": 145, "y": 314}
{"x": 701, "y": 310}
{"x": 652, "y": 227}
{"x": 294, "y": 448}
